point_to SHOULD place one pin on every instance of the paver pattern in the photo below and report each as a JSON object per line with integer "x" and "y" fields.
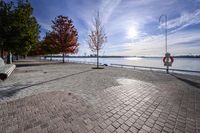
{"x": 46, "y": 112}
{"x": 130, "y": 104}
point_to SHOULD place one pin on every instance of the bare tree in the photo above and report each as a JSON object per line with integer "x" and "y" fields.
{"x": 97, "y": 37}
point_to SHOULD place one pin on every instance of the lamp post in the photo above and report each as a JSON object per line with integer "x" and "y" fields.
{"x": 166, "y": 53}
{"x": 165, "y": 17}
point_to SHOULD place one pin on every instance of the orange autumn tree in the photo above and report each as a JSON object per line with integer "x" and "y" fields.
{"x": 37, "y": 49}
{"x": 64, "y": 36}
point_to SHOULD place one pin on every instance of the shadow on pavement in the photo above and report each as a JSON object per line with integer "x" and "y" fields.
{"x": 36, "y": 64}
{"x": 14, "y": 88}
{"x": 189, "y": 82}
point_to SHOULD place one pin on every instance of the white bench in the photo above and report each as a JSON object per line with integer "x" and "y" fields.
{"x": 5, "y": 69}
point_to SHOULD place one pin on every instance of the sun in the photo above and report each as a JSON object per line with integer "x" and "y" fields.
{"x": 132, "y": 32}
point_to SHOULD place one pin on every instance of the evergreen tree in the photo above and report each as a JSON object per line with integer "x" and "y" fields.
{"x": 20, "y": 29}
{"x": 6, "y": 21}
{"x": 26, "y": 27}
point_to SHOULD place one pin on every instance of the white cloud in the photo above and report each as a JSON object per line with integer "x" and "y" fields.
{"x": 107, "y": 7}
{"x": 155, "y": 46}
{"x": 185, "y": 20}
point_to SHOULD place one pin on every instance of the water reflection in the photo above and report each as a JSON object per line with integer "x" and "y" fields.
{"x": 179, "y": 63}
{"x": 133, "y": 58}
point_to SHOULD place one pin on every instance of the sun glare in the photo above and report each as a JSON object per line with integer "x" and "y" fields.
{"x": 132, "y": 33}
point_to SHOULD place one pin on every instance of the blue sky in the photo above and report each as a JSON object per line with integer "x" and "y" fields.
{"x": 132, "y": 26}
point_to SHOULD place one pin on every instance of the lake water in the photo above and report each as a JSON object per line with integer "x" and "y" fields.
{"x": 179, "y": 63}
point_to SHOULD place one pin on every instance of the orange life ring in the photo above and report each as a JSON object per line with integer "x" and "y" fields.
{"x": 164, "y": 58}
{"x": 171, "y": 59}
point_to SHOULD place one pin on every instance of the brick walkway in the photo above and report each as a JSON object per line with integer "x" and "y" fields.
{"x": 134, "y": 106}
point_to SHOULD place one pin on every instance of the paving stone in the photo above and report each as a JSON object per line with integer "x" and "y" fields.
{"x": 111, "y": 128}
{"x": 106, "y": 131}
{"x": 166, "y": 129}
{"x": 154, "y": 130}
{"x": 116, "y": 124}
{"x": 142, "y": 131}
{"x": 124, "y": 127}
{"x": 148, "y": 124}
{"x": 120, "y": 130}
{"x": 158, "y": 127}
{"x": 97, "y": 129}
{"x": 124, "y": 118}
{"x": 133, "y": 129}
{"x": 116, "y": 116}
{"x": 128, "y": 123}
{"x": 138, "y": 126}
{"x": 108, "y": 122}
{"x": 146, "y": 128}
{"x": 83, "y": 105}
{"x": 120, "y": 120}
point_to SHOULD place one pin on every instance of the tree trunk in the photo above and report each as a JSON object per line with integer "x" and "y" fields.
{"x": 12, "y": 58}
{"x": 97, "y": 58}
{"x": 63, "y": 58}
{"x": 2, "y": 52}
{"x": 9, "y": 58}
{"x": 1, "y": 44}
{"x": 17, "y": 57}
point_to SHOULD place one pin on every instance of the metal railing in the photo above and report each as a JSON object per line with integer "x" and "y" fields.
{"x": 136, "y": 67}
{"x": 82, "y": 62}
{"x": 154, "y": 68}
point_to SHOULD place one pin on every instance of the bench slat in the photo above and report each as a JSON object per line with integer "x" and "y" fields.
{"x": 6, "y": 70}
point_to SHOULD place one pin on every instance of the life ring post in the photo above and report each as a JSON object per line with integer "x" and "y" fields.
{"x": 168, "y": 60}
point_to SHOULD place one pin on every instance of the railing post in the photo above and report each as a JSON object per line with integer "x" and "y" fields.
{"x": 167, "y": 69}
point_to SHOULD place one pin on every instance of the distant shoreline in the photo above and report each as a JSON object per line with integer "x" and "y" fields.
{"x": 184, "y": 56}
